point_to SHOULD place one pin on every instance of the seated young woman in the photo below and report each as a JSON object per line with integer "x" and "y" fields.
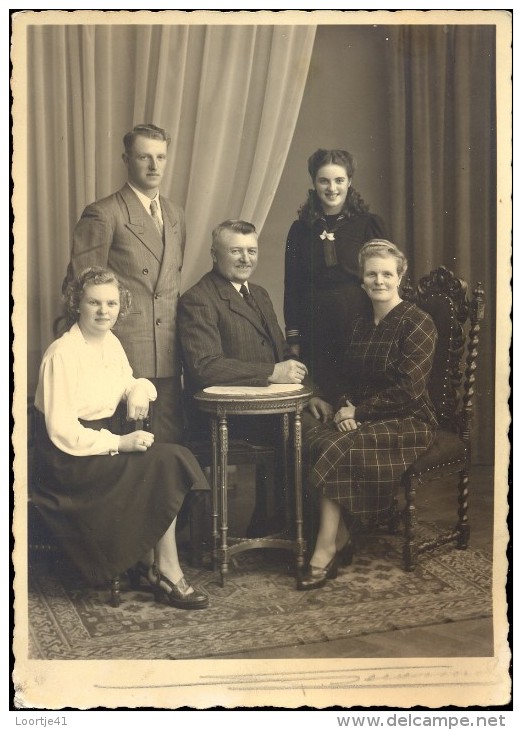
{"x": 111, "y": 500}
{"x": 385, "y": 419}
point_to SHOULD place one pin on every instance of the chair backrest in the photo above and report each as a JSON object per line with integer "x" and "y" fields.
{"x": 60, "y": 326}
{"x": 456, "y": 316}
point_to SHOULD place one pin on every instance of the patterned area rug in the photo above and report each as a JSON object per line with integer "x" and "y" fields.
{"x": 259, "y": 607}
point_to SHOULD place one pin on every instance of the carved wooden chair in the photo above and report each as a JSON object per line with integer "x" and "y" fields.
{"x": 457, "y": 316}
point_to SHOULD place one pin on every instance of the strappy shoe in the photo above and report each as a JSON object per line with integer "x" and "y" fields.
{"x": 178, "y": 594}
{"x": 316, "y": 577}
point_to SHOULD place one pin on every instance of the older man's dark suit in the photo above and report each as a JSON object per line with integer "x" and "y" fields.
{"x": 118, "y": 233}
{"x": 223, "y": 341}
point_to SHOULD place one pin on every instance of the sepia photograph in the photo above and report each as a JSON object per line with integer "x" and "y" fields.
{"x": 262, "y": 299}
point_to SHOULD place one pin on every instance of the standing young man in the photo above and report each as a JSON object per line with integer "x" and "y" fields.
{"x": 140, "y": 235}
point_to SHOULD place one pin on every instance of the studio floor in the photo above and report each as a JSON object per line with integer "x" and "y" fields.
{"x": 461, "y": 638}
{"x": 373, "y": 609}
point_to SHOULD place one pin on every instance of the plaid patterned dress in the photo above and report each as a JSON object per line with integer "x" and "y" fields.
{"x": 387, "y": 370}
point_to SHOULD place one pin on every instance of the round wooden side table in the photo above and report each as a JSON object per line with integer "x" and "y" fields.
{"x": 286, "y": 401}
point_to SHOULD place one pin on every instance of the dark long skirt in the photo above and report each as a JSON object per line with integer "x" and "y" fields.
{"x": 108, "y": 511}
{"x": 362, "y": 469}
{"x": 330, "y": 323}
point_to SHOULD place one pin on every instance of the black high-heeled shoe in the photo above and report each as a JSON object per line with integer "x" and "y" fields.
{"x": 178, "y": 594}
{"x": 316, "y": 577}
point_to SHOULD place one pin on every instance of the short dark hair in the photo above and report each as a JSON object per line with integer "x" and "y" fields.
{"x": 236, "y": 226}
{"x": 145, "y": 130}
{"x": 381, "y": 248}
{"x": 92, "y": 276}
{"x": 323, "y": 157}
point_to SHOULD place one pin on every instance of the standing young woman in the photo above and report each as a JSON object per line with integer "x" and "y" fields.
{"x": 111, "y": 500}
{"x": 322, "y": 289}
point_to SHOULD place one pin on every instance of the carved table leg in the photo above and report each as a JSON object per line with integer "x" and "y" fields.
{"x": 298, "y": 488}
{"x": 223, "y": 478}
{"x": 285, "y": 423}
{"x": 214, "y": 492}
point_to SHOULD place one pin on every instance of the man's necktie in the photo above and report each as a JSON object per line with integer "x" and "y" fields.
{"x": 249, "y": 299}
{"x": 155, "y": 217}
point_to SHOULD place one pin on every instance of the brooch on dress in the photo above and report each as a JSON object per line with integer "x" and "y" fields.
{"x": 330, "y": 254}
{"x": 330, "y": 235}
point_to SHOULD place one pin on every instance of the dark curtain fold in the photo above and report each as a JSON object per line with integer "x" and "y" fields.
{"x": 441, "y": 83}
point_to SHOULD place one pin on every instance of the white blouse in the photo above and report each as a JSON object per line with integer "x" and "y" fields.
{"x": 78, "y": 380}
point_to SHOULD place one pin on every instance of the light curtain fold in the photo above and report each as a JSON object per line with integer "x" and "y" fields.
{"x": 246, "y": 119}
{"x": 442, "y": 111}
{"x": 229, "y": 96}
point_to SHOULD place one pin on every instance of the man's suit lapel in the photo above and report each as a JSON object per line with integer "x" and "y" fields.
{"x": 236, "y": 302}
{"x": 271, "y": 322}
{"x": 172, "y": 253}
{"x": 170, "y": 220}
{"x": 141, "y": 224}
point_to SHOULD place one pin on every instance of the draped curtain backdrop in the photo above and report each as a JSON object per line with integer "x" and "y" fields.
{"x": 441, "y": 86}
{"x": 228, "y": 95}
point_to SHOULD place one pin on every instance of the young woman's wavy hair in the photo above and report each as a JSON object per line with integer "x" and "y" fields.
{"x": 354, "y": 204}
{"x": 75, "y": 289}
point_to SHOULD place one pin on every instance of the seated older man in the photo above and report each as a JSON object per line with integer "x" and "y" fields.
{"x": 230, "y": 335}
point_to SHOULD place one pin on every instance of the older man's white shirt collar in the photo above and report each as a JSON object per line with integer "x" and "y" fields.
{"x": 237, "y": 286}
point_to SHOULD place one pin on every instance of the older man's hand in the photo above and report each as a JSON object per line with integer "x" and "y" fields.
{"x": 288, "y": 371}
{"x": 320, "y": 409}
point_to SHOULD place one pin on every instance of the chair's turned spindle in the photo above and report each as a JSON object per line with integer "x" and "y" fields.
{"x": 476, "y": 315}
{"x": 477, "y": 303}
{"x": 463, "y": 524}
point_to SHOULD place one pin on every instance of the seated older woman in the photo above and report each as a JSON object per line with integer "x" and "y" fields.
{"x": 385, "y": 419}
{"x": 111, "y": 500}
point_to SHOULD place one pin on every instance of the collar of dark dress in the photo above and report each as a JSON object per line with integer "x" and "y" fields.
{"x": 331, "y": 221}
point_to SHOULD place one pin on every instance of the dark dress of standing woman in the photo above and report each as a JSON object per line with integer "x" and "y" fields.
{"x": 384, "y": 420}
{"x": 322, "y": 287}
{"x": 111, "y": 500}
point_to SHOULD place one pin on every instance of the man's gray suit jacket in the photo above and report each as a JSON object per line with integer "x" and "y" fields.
{"x": 117, "y": 232}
